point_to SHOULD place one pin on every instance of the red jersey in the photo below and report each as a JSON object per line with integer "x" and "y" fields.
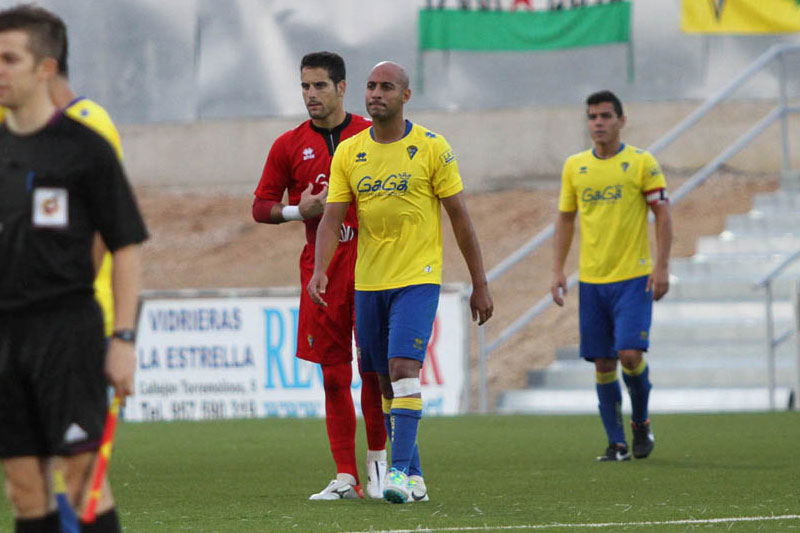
{"x": 302, "y": 156}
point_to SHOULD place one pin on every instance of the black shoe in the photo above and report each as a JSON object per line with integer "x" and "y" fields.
{"x": 615, "y": 452}
{"x": 643, "y": 439}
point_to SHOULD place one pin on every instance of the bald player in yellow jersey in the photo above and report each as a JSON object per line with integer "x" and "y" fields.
{"x": 399, "y": 175}
{"x": 612, "y": 186}
{"x": 96, "y": 118}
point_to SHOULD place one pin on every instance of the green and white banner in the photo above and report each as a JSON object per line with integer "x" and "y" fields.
{"x": 599, "y": 24}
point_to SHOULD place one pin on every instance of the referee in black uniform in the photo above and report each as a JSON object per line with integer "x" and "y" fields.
{"x": 60, "y": 182}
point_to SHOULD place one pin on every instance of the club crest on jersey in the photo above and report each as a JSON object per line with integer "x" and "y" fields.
{"x": 310, "y": 340}
{"x": 412, "y": 151}
{"x": 50, "y": 207}
{"x": 625, "y": 166}
{"x": 308, "y": 153}
{"x": 361, "y": 157}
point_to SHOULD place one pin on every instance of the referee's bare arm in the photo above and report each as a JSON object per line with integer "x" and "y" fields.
{"x": 480, "y": 301}
{"x": 327, "y": 241}
{"x": 121, "y": 358}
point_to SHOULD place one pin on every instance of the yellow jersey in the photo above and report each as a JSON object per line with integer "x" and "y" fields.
{"x": 396, "y": 187}
{"x": 610, "y": 197}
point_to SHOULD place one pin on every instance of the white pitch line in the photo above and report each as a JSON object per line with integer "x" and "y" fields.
{"x": 598, "y": 525}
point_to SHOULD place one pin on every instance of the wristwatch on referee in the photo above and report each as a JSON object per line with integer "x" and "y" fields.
{"x": 125, "y": 335}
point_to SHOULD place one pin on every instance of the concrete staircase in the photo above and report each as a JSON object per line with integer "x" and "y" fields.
{"x": 708, "y": 340}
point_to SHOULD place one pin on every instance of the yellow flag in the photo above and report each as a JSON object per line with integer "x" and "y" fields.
{"x": 740, "y": 16}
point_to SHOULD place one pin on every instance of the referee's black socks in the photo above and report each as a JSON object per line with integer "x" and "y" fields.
{"x": 107, "y": 522}
{"x": 45, "y": 524}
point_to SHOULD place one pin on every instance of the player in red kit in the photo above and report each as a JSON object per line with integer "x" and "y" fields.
{"x": 299, "y": 162}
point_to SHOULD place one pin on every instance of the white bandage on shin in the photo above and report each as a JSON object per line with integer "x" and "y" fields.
{"x": 291, "y": 212}
{"x": 406, "y": 387}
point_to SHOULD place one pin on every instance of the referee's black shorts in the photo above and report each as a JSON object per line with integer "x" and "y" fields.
{"x": 53, "y": 390}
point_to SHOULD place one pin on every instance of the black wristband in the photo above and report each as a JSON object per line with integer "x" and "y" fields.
{"x": 125, "y": 335}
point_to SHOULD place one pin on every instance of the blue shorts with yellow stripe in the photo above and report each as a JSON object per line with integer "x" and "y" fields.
{"x": 394, "y": 323}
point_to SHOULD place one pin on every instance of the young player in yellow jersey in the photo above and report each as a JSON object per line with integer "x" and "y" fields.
{"x": 398, "y": 174}
{"x": 90, "y": 114}
{"x": 611, "y": 186}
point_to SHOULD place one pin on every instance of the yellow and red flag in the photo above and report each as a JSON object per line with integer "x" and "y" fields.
{"x": 740, "y": 16}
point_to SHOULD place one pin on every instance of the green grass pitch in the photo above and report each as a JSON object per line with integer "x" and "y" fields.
{"x": 484, "y": 473}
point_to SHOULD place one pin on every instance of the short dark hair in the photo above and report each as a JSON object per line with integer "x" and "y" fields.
{"x": 605, "y": 96}
{"x": 63, "y": 64}
{"x": 330, "y": 61}
{"x": 47, "y": 33}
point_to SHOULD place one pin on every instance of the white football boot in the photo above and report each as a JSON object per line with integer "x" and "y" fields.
{"x": 342, "y": 488}
{"x": 417, "y": 488}
{"x": 395, "y": 489}
{"x": 376, "y": 473}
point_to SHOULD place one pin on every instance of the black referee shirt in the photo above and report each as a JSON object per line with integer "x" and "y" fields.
{"x": 57, "y": 187}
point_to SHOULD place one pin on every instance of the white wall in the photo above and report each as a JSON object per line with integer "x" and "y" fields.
{"x": 492, "y": 146}
{"x": 184, "y": 60}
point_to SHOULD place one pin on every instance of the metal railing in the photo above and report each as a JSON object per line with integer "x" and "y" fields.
{"x": 485, "y": 347}
{"x": 772, "y": 341}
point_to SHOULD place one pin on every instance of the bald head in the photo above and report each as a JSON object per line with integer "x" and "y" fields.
{"x": 387, "y": 93}
{"x": 393, "y": 71}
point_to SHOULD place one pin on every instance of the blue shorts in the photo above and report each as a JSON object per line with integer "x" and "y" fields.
{"x": 394, "y": 323}
{"x": 614, "y": 316}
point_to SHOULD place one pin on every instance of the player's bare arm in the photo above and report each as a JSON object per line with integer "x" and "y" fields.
{"x": 325, "y": 247}
{"x": 562, "y": 240}
{"x": 121, "y": 359}
{"x": 480, "y": 301}
{"x": 311, "y": 205}
{"x": 658, "y": 282}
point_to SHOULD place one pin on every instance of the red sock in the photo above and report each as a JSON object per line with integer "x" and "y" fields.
{"x": 372, "y": 411}
{"x": 340, "y": 417}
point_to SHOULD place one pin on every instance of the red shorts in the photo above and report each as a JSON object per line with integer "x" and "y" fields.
{"x": 325, "y": 334}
